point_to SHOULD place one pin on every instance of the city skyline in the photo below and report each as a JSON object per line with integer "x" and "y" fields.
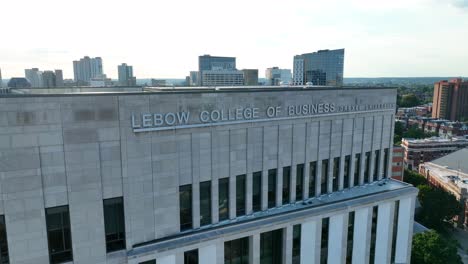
{"x": 375, "y": 46}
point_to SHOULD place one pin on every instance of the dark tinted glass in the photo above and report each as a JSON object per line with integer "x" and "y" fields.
{"x": 148, "y": 262}
{"x": 236, "y": 251}
{"x": 357, "y": 168}
{"x": 376, "y": 165}
{"x": 296, "y": 251}
{"x": 286, "y": 184}
{"x": 385, "y": 168}
{"x": 191, "y": 257}
{"x": 324, "y": 178}
{"x": 312, "y": 176}
{"x": 240, "y": 195}
{"x": 299, "y": 181}
{"x": 59, "y": 234}
{"x": 373, "y": 234}
{"x": 349, "y": 244}
{"x": 205, "y": 203}
{"x": 271, "y": 188}
{"x": 367, "y": 164}
{"x": 114, "y": 224}
{"x": 223, "y": 199}
{"x": 185, "y": 199}
{"x": 324, "y": 243}
{"x": 257, "y": 191}
{"x": 271, "y": 247}
{"x": 346, "y": 172}
{"x": 336, "y": 173}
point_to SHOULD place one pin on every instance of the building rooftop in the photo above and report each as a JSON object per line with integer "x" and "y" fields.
{"x": 436, "y": 140}
{"x": 457, "y": 160}
{"x": 25, "y": 92}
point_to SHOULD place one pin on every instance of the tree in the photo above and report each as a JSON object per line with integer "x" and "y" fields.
{"x": 438, "y": 207}
{"x": 430, "y": 248}
{"x": 409, "y": 100}
{"x": 414, "y": 178}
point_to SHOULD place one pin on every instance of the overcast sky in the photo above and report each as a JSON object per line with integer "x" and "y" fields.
{"x": 163, "y": 39}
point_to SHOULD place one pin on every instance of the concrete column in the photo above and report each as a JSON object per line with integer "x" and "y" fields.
{"x": 337, "y": 236}
{"x": 220, "y": 252}
{"x": 171, "y": 259}
{"x": 306, "y": 179}
{"x": 361, "y": 236}
{"x": 232, "y": 197}
{"x": 264, "y": 189}
{"x": 207, "y": 254}
{"x": 287, "y": 244}
{"x": 341, "y": 172}
{"x": 310, "y": 241}
{"x": 292, "y": 183}
{"x": 254, "y": 249}
{"x": 279, "y": 186}
{"x": 248, "y": 192}
{"x": 372, "y": 163}
{"x": 405, "y": 230}
{"x": 196, "y": 204}
{"x": 214, "y": 201}
{"x": 383, "y": 241}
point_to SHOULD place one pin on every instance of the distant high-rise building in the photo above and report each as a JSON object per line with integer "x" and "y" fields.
{"x": 34, "y": 76}
{"x": 87, "y": 68}
{"x": 250, "y": 76}
{"x": 126, "y": 77}
{"x": 58, "y": 78}
{"x": 194, "y": 78}
{"x": 218, "y": 71}
{"x": 277, "y": 76}
{"x": 48, "y": 79}
{"x": 324, "y": 67}
{"x": 450, "y": 100}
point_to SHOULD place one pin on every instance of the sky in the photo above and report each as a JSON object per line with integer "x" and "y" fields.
{"x": 163, "y": 39}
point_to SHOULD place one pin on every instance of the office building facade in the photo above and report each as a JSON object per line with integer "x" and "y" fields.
{"x": 276, "y": 76}
{"x": 59, "y": 78}
{"x": 210, "y": 176}
{"x": 218, "y": 71}
{"x": 34, "y": 77}
{"x": 126, "y": 77}
{"x": 87, "y": 68}
{"x": 450, "y": 100}
{"x": 323, "y": 68}
{"x": 250, "y": 77}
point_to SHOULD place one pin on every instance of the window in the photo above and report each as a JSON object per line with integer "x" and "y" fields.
{"x": 205, "y": 203}
{"x": 336, "y": 173}
{"x": 349, "y": 244}
{"x": 296, "y": 250}
{"x": 153, "y": 261}
{"x": 236, "y": 251}
{"x": 324, "y": 179}
{"x": 347, "y": 171}
{"x": 286, "y": 184}
{"x": 385, "y": 168}
{"x": 299, "y": 181}
{"x": 185, "y": 199}
{"x": 240, "y": 195}
{"x": 376, "y": 164}
{"x": 324, "y": 242}
{"x": 223, "y": 199}
{"x": 373, "y": 234}
{"x": 395, "y": 230}
{"x": 367, "y": 167}
{"x": 257, "y": 191}
{"x": 191, "y": 257}
{"x": 59, "y": 234}
{"x": 357, "y": 168}
{"x": 4, "y": 257}
{"x": 114, "y": 223}
{"x": 271, "y": 188}
{"x": 312, "y": 175}
{"x": 271, "y": 247}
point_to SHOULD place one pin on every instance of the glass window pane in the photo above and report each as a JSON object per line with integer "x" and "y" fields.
{"x": 185, "y": 199}
{"x": 236, "y": 251}
{"x": 58, "y": 234}
{"x": 223, "y": 199}
{"x": 376, "y": 165}
{"x": 324, "y": 243}
{"x": 286, "y": 184}
{"x": 346, "y": 171}
{"x": 205, "y": 203}
{"x": 114, "y": 224}
{"x": 336, "y": 172}
{"x": 191, "y": 257}
{"x": 271, "y": 247}
{"x": 324, "y": 178}
{"x": 271, "y": 188}
{"x": 385, "y": 168}
{"x": 312, "y": 175}
{"x": 240, "y": 195}
{"x": 299, "y": 181}
{"x": 357, "y": 169}
{"x": 257, "y": 191}
{"x": 367, "y": 171}
{"x": 296, "y": 251}
{"x": 4, "y": 257}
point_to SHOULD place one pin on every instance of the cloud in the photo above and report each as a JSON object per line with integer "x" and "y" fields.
{"x": 460, "y": 3}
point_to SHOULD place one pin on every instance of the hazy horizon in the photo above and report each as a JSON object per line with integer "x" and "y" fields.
{"x": 163, "y": 40}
